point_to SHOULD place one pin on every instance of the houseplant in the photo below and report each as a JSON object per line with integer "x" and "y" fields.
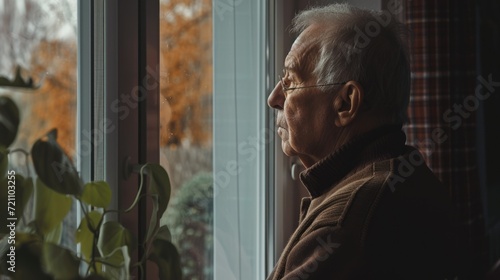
{"x": 50, "y": 186}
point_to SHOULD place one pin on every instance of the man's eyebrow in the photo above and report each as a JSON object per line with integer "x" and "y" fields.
{"x": 293, "y": 70}
{"x": 291, "y": 64}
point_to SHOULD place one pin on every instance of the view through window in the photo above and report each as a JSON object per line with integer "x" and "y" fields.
{"x": 186, "y": 129}
{"x": 39, "y": 49}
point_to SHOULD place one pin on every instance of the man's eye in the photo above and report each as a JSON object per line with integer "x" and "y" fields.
{"x": 286, "y": 82}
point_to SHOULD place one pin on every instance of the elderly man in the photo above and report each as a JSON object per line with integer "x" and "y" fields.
{"x": 375, "y": 210}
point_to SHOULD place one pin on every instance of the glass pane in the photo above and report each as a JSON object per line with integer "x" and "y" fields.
{"x": 186, "y": 129}
{"x": 241, "y": 56}
{"x": 215, "y": 157}
{"x": 38, "y": 54}
{"x": 39, "y": 37}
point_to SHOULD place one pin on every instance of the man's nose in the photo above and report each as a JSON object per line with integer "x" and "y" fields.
{"x": 276, "y": 99}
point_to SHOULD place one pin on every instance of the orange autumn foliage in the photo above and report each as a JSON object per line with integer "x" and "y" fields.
{"x": 186, "y": 72}
{"x": 185, "y": 80}
{"x": 53, "y": 105}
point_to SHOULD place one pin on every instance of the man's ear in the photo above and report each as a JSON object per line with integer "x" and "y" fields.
{"x": 348, "y": 102}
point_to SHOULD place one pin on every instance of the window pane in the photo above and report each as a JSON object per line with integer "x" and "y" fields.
{"x": 240, "y": 138}
{"x": 40, "y": 38}
{"x": 217, "y": 212}
{"x": 186, "y": 129}
{"x": 39, "y": 43}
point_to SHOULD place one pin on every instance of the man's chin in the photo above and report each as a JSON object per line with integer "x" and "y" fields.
{"x": 287, "y": 149}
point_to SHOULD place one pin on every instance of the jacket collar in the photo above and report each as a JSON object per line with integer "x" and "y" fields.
{"x": 381, "y": 143}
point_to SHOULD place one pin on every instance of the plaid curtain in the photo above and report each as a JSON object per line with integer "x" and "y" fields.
{"x": 442, "y": 111}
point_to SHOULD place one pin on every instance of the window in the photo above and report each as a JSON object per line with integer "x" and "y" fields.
{"x": 186, "y": 146}
{"x": 202, "y": 67}
{"x": 241, "y": 138}
{"x": 39, "y": 47}
{"x": 213, "y": 136}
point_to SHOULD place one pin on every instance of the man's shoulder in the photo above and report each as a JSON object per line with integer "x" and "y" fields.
{"x": 404, "y": 184}
{"x": 397, "y": 212}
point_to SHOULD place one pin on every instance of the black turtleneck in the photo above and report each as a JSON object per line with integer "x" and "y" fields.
{"x": 379, "y": 144}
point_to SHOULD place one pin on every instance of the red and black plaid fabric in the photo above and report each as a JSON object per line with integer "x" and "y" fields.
{"x": 442, "y": 109}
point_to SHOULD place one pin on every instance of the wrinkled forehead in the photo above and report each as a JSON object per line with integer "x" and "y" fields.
{"x": 304, "y": 52}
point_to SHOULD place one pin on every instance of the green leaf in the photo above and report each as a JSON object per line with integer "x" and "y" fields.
{"x": 117, "y": 258}
{"x": 113, "y": 235}
{"x": 159, "y": 188}
{"x": 54, "y": 167}
{"x": 9, "y": 121}
{"x": 159, "y": 183}
{"x": 50, "y": 208}
{"x": 97, "y": 194}
{"x": 96, "y": 267}
{"x": 165, "y": 255}
{"x": 85, "y": 235}
{"x": 25, "y": 190}
{"x": 119, "y": 261}
{"x": 55, "y": 235}
{"x": 164, "y": 234}
{"x": 155, "y": 218}
{"x": 59, "y": 262}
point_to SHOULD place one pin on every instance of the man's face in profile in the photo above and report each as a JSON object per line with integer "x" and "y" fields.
{"x": 305, "y": 117}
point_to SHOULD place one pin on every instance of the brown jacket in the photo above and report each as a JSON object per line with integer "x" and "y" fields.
{"x": 376, "y": 211}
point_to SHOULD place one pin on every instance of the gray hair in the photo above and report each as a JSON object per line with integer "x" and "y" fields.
{"x": 366, "y": 46}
